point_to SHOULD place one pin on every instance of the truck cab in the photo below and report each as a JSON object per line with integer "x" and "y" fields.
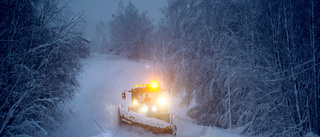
{"x": 149, "y": 100}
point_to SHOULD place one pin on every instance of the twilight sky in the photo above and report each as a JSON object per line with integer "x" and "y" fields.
{"x": 101, "y": 10}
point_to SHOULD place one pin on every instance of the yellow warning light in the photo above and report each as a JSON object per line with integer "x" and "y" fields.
{"x": 154, "y": 84}
{"x": 141, "y": 85}
{"x": 135, "y": 102}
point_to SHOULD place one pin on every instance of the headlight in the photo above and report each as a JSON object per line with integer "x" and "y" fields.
{"x": 144, "y": 109}
{"x": 135, "y": 102}
{"x": 154, "y": 108}
{"x": 162, "y": 101}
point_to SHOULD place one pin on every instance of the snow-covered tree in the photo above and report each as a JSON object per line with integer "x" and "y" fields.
{"x": 251, "y": 65}
{"x": 40, "y": 50}
{"x": 130, "y": 33}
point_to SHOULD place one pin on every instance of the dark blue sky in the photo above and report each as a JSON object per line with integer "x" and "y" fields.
{"x": 101, "y": 10}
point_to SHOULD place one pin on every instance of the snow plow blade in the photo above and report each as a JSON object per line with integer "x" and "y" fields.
{"x": 151, "y": 124}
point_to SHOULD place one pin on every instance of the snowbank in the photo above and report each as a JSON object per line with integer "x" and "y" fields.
{"x": 106, "y": 133}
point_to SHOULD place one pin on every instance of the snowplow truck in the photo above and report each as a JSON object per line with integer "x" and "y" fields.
{"x": 148, "y": 109}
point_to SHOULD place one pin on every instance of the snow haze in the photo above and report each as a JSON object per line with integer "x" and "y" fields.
{"x": 102, "y": 10}
{"x": 103, "y": 80}
{"x": 235, "y": 67}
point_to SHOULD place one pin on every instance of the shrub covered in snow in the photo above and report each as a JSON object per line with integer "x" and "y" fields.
{"x": 40, "y": 51}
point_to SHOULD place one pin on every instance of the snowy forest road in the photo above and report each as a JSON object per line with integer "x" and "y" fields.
{"x": 103, "y": 80}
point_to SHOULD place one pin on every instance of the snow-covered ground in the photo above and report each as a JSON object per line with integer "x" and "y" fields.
{"x": 104, "y": 78}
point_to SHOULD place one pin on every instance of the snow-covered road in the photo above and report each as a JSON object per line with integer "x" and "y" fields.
{"x": 104, "y": 78}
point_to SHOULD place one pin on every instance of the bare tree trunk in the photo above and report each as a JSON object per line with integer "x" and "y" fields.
{"x": 314, "y": 49}
{"x": 229, "y": 107}
{"x": 292, "y": 61}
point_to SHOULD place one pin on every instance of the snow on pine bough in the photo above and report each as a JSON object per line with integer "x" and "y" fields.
{"x": 148, "y": 109}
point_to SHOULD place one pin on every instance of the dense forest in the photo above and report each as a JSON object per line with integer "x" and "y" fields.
{"x": 40, "y": 48}
{"x": 252, "y": 66}
{"x": 131, "y": 33}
